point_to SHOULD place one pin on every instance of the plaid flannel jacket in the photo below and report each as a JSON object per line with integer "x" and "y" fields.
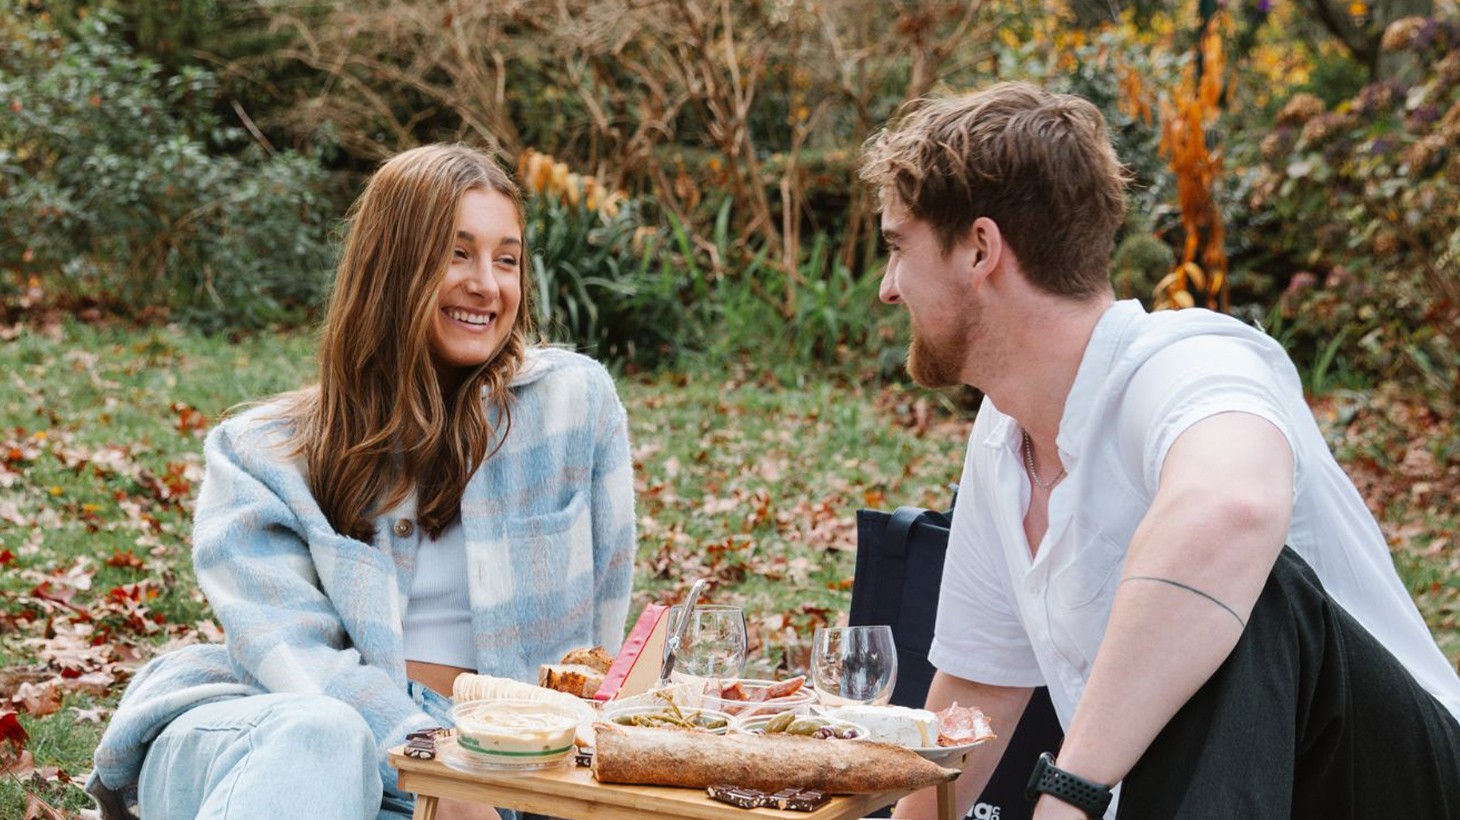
{"x": 549, "y": 526}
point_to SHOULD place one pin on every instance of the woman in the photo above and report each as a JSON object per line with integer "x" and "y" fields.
{"x": 449, "y": 498}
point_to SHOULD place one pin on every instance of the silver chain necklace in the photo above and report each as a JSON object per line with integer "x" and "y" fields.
{"x": 1033, "y": 473}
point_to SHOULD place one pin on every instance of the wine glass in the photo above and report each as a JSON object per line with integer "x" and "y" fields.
{"x": 853, "y": 664}
{"x": 714, "y": 643}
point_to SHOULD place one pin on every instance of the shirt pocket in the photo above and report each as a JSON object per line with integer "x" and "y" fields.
{"x": 557, "y": 545}
{"x": 1081, "y": 596}
{"x": 1091, "y": 575}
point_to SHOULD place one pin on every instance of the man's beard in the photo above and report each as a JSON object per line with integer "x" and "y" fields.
{"x": 939, "y": 362}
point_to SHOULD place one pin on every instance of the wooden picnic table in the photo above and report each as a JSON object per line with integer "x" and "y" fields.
{"x": 571, "y": 792}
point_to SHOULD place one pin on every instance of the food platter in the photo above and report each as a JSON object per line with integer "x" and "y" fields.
{"x": 512, "y": 746}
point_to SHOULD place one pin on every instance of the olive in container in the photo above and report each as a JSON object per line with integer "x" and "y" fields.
{"x": 807, "y": 725}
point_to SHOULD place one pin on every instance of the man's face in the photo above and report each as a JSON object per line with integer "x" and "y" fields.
{"x": 933, "y": 287}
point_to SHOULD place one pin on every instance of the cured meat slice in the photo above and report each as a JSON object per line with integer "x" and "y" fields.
{"x": 961, "y": 725}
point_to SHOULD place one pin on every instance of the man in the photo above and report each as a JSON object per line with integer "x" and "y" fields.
{"x": 1130, "y": 485}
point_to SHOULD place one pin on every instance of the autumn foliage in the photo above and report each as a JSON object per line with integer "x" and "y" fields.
{"x": 1186, "y": 135}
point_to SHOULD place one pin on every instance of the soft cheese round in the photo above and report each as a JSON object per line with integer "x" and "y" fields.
{"x": 914, "y": 728}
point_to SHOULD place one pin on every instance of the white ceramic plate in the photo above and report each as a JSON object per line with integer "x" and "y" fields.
{"x": 942, "y": 754}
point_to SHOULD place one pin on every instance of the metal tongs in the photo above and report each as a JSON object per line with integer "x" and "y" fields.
{"x": 676, "y": 640}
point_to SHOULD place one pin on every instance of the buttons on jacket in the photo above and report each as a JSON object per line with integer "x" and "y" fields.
{"x": 404, "y": 527}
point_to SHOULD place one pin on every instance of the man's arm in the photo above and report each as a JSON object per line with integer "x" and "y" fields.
{"x": 1003, "y": 705}
{"x": 1196, "y": 565}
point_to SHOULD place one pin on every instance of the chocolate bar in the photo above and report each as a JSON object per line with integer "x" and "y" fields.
{"x": 793, "y": 799}
{"x": 583, "y": 758}
{"x": 739, "y": 797}
{"x": 422, "y": 745}
{"x": 421, "y": 748}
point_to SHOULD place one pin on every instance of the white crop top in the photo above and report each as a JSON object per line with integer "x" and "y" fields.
{"x": 438, "y": 614}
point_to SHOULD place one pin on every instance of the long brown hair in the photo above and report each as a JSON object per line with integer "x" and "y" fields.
{"x": 379, "y": 426}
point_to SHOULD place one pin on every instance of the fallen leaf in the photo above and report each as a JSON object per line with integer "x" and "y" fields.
{"x": 12, "y": 732}
{"x": 93, "y": 715}
{"x": 38, "y": 809}
{"x": 38, "y": 699}
{"x": 124, "y": 559}
{"x": 19, "y": 766}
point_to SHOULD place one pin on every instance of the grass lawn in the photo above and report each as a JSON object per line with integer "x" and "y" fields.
{"x": 740, "y": 478}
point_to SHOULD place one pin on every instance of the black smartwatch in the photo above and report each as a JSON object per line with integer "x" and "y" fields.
{"x": 1090, "y": 798}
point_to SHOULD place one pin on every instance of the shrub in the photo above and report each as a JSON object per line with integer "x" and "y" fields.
{"x": 1375, "y": 183}
{"x": 113, "y": 187}
{"x": 594, "y": 270}
{"x": 598, "y": 289}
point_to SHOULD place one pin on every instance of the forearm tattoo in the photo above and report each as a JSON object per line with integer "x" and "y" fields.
{"x": 1179, "y": 585}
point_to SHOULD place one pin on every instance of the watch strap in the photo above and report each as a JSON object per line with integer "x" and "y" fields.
{"x": 1091, "y": 798}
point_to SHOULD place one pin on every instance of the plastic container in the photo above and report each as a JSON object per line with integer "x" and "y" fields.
{"x": 513, "y": 733}
{"x": 798, "y": 702}
{"x": 808, "y": 725}
{"x": 702, "y": 720}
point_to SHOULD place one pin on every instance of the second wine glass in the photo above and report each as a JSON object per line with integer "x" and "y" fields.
{"x": 853, "y": 664}
{"x": 714, "y": 643}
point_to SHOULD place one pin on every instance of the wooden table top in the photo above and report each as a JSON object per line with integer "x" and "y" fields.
{"x": 571, "y": 791}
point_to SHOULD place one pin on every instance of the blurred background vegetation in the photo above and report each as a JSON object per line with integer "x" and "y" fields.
{"x": 692, "y": 162}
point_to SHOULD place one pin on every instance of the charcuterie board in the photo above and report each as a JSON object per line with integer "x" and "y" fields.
{"x": 571, "y": 792}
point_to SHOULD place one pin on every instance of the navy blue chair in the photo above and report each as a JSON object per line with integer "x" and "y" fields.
{"x": 898, "y": 576}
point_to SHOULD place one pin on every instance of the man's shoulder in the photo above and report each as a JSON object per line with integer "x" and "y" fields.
{"x": 1164, "y": 328}
{"x": 1200, "y": 344}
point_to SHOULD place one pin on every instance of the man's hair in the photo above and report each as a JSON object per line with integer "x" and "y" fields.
{"x": 1039, "y": 164}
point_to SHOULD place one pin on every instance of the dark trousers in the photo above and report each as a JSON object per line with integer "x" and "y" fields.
{"x": 1310, "y": 717}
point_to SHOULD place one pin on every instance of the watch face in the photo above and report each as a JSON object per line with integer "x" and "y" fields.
{"x": 1036, "y": 778}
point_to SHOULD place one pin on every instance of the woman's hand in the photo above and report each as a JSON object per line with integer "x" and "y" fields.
{"x": 447, "y": 809}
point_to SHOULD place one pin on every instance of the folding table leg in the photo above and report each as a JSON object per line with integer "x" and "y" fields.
{"x": 425, "y": 808}
{"x": 948, "y": 800}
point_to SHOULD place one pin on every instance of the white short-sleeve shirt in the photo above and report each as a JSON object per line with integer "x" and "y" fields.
{"x": 1009, "y": 619}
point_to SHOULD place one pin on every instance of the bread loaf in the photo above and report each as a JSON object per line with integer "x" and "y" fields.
{"x": 596, "y": 658}
{"x": 573, "y": 678}
{"x": 678, "y": 757}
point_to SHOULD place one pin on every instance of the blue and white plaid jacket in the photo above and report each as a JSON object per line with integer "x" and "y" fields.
{"x": 549, "y": 527}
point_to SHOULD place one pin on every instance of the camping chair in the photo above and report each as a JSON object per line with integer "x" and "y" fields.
{"x": 899, "y": 572}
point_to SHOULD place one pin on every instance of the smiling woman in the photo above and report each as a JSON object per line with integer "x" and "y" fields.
{"x": 450, "y": 497}
{"x": 479, "y": 298}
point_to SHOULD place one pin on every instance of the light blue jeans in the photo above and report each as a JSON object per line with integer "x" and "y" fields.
{"x": 264, "y": 756}
{"x": 270, "y": 756}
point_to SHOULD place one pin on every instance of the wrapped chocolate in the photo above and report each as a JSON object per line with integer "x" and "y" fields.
{"x": 741, "y": 797}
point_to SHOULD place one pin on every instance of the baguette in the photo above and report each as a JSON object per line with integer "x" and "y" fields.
{"x": 677, "y": 757}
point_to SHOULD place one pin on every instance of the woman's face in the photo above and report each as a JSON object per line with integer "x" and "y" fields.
{"x": 479, "y": 298}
